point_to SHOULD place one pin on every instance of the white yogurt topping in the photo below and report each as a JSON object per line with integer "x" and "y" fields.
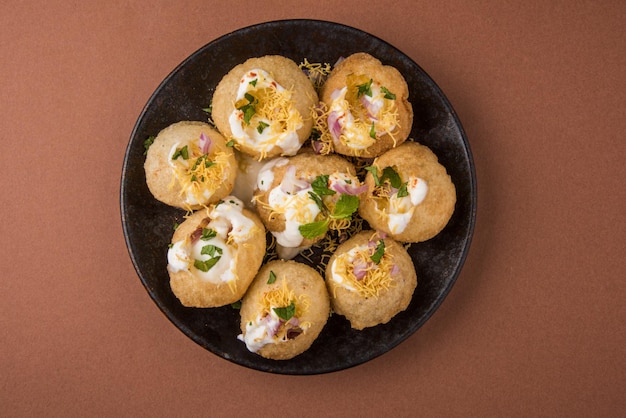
{"x": 339, "y": 275}
{"x": 228, "y": 221}
{"x": 298, "y": 209}
{"x": 258, "y": 332}
{"x": 264, "y": 139}
{"x": 265, "y": 178}
{"x": 401, "y": 208}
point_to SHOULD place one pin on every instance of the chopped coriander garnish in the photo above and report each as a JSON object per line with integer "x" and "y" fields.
{"x": 212, "y": 251}
{"x": 146, "y": 144}
{"x": 374, "y": 170}
{"x": 230, "y": 143}
{"x": 208, "y": 233}
{"x": 261, "y": 127}
{"x": 248, "y": 108}
{"x": 320, "y": 186}
{"x": 373, "y": 131}
{"x": 402, "y": 191}
{"x": 272, "y": 277}
{"x": 380, "y": 251}
{"x": 253, "y": 82}
{"x": 318, "y": 201}
{"x": 181, "y": 152}
{"x": 392, "y": 175}
{"x": 287, "y": 312}
{"x": 365, "y": 89}
{"x": 388, "y": 95}
{"x": 208, "y": 109}
{"x": 206, "y": 265}
{"x": 236, "y": 305}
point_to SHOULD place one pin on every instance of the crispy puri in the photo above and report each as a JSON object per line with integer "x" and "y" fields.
{"x": 365, "y": 67}
{"x": 431, "y": 215}
{"x": 189, "y": 285}
{"x": 286, "y": 338}
{"x": 170, "y": 180}
{"x": 370, "y": 300}
{"x": 308, "y": 166}
{"x": 287, "y": 74}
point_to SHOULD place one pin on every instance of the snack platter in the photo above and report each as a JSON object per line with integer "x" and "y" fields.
{"x": 188, "y": 90}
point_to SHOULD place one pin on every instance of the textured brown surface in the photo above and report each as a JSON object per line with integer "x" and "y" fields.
{"x": 535, "y": 323}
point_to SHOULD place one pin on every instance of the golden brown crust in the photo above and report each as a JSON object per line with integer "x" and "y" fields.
{"x": 308, "y": 166}
{"x": 385, "y": 75}
{"x": 430, "y": 216}
{"x": 160, "y": 174}
{"x": 362, "y": 311}
{"x": 304, "y": 282}
{"x": 286, "y": 73}
{"x": 192, "y": 291}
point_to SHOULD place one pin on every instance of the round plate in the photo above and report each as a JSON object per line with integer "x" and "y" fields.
{"x": 148, "y": 224}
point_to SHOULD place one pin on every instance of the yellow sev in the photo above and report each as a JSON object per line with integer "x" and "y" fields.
{"x": 377, "y": 277}
{"x": 200, "y": 173}
{"x": 271, "y": 104}
{"x": 281, "y": 297}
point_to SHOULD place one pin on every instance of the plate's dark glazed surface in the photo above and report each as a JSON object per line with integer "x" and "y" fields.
{"x": 189, "y": 88}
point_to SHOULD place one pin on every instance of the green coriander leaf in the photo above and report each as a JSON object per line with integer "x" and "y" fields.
{"x": 373, "y": 131}
{"x": 253, "y": 82}
{"x": 181, "y": 152}
{"x": 402, "y": 191}
{"x": 287, "y": 312}
{"x": 388, "y": 95}
{"x": 212, "y": 251}
{"x": 206, "y": 265}
{"x": 372, "y": 169}
{"x": 346, "y": 206}
{"x": 392, "y": 175}
{"x": 318, "y": 201}
{"x": 261, "y": 127}
{"x": 176, "y": 225}
{"x": 380, "y": 251}
{"x": 250, "y": 98}
{"x": 146, "y": 144}
{"x": 236, "y": 305}
{"x": 320, "y": 186}
{"x": 365, "y": 89}
{"x": 314, "y": 229}
{"x": 272, "y": 278}
{"x": 230, "y": 143}
{"x": 208, "y": 233}
{"x": 208, "y": 109}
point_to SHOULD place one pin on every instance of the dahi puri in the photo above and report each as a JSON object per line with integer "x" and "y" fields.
{"x": 284, "y": 310}
{"x": 370, "y": 279}
{"x": 189, "y": 166}
{"x": 300, "y": 198}
{"x": 410, "y": 196}
{"x": 367, "y": 105}
{"x": 215, "y": 254}
{"x": 264, "y": 105}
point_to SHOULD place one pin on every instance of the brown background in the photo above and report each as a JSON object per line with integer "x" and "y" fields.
{"x": 535, "y": 323}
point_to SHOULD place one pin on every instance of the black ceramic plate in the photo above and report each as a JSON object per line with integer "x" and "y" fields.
{"x": 148, "y": 224}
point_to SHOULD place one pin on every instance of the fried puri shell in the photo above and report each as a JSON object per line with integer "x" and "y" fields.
{"x": 432, "y": 214}
{"x": 192, "y": 291}
{"x": 388, "y": 76}
{"x": 363, "y": 311}
{"x": 308, "y": 166}
{"x": 306, "y": 283}
{"x": 286, "y": 73}
{"x": 160, "y": 176}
